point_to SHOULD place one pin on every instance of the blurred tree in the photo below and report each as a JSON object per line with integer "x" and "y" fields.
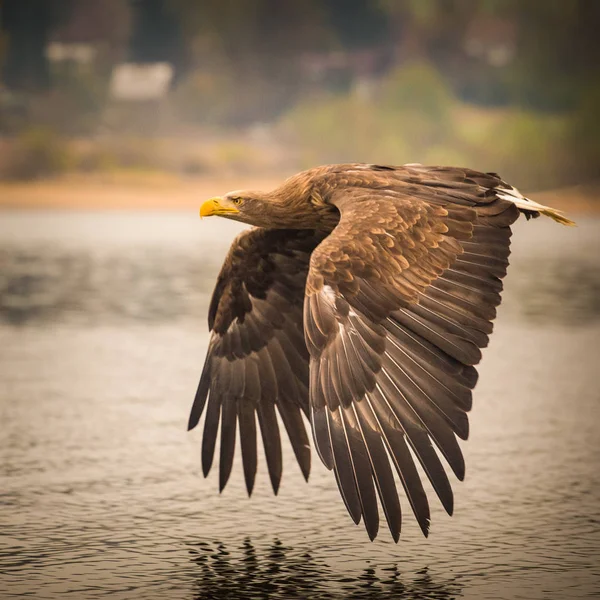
{"x": 258, "y": 45}
{"x": 559, "y": 52}
{"x": 254, "y": 57}
{"x": 106, "y": 25}
{"x": 157, "y": 35}
{"x": 245, "y": 61}
{"x": 536, "y": 54}
{"x": 27, "y": 24}
{"x": 356, "y": 23}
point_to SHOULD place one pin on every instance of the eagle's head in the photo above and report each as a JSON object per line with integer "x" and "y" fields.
{"x": 242, "y": 205}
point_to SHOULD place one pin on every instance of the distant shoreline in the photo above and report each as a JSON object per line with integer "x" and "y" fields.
{"x": 123, "y": 192}
{"x": 166, "y": 192}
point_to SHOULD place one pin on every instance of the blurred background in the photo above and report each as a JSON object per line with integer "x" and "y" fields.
{"x": 117, "y": 119}
{"x": 261, "y": 87}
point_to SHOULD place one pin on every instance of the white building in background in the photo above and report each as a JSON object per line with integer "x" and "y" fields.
{"x": 137, "y": 95}
{"x": 133, "y": 82}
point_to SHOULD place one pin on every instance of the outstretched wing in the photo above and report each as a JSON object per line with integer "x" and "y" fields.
{"x": 400, "y": 299}
{"x": 257, "y": 359}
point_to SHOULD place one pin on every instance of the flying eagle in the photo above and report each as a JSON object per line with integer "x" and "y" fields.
{"x": 362, "y": 298}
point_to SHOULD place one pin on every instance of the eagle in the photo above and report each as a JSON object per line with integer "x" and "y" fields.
{"x": 362, "y": 297}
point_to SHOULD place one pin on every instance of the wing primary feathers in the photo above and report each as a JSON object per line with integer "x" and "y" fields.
{"x": 343, "y": 464}
{"x": 455, "y": 314}
{"x": 247, "y": 425}
{"x": 394, "y": 438}
{"x": 228, "y": 426}
{"x": 292, "y": 421}
{"x": 418, "y": 439}
{"x": 269, "y": 428}
{"x": 211, "y": 427}
{"x": 438, "y": 320}
{"x": 361, "y": 468}
{"x": 446, "y": 294}
{"x": 380, "y": 465}
{"x": 462, "y": 350}
{"x": 431, "y": 354}
{"x": 320, "y": 431}
{"x": 451, "y": 390}
{"x": 201, "y": 394}
{"x": 418, "y": 389}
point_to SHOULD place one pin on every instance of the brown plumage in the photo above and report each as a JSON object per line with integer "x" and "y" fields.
{"x": 362, "y": 298}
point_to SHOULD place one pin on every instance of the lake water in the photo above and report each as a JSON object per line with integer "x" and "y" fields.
{"x": 102, "y": 339}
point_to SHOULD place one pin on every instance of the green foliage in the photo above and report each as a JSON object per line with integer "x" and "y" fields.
{"x": 74, "y": 106}
{"x": 135, "y": 153}
{"x": 417, "y": 103}
{"x": 410, "y": 114}
{"x": 332, "y": 128}
{"x": 235, "y": 157}
{"x": 204, "y": 98}
{"x": 417, "y": 87}
{"x": 76, "y": 103}
{"x": 528, "y": 147}
{"x": 38, "y": 152}
{"x": 584, "y": 134}
{"x": 415, "y": 118}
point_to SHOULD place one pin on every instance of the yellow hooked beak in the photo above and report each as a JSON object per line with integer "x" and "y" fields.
{"x": 214, "y": 206}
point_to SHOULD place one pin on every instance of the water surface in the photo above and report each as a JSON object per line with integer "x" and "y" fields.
{"x": 102, "y": 338}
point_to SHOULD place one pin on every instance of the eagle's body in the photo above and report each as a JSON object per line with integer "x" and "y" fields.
{"x": 362, "y": 298}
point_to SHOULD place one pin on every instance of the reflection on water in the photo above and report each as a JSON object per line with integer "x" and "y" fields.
{"x": 42, "y": 284}
{"x": 46, "y": 283}
{"x": 284, "y": 572}
{"x": 102, "y": 339}
{"x": 561, "y": 290}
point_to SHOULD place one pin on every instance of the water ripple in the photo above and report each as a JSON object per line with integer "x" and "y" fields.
{"x": 101, "y": 494}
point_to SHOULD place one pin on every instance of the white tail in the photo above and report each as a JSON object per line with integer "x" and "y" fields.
{"x": 513, "y": 195}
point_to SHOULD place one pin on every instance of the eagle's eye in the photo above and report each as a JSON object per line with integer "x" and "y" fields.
{"x": 237, "y": 200}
